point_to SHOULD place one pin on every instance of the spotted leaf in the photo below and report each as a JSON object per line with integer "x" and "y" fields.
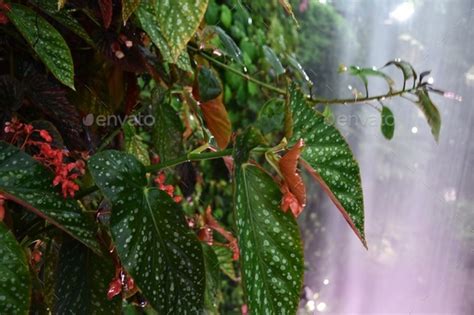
{"x": 270, "y": 245}
{"x": 167, "y": 132}
{"x": 46, "y": 41}
{"x": 128, "y": 7}
{"x": 151, "y": 235}
{"x": 178, "y": 21}
{"x": 329, "y": 159}
{"x": 15, "y": 281}
{"x": 64, "y": 18}
{"x": 148, "y": 18}
{"x": 29, "y": 184}
{"x": 82, "y": 282}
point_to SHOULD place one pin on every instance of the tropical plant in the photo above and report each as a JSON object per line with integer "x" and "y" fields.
{"x": 144, "y": 151}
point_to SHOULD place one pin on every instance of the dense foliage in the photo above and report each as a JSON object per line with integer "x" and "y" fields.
{"x": 152, "y": 151}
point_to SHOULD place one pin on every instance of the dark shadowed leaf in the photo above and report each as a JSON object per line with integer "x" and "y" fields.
{"x": 273, "y": 60}
{"x": 107, "y": 10}
{"x": 15, "y": 281}
{"x": 29, "y": 184}
{"x": 270, "y": 245}
{"x": 212, "y": 280}
{"x": 208, "y": 85}
{"x": 82, "y": 282}
{"x": 151, "y": 235}
{"x": 64, "y": 18}
{"x": 425, "y": 104}
{"x": 388, "y": 123}
{"x": 46, "y": 41}
{"x": 329, "y": 159}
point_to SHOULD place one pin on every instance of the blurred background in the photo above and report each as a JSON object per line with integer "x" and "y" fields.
{"x": 419, "y": 195}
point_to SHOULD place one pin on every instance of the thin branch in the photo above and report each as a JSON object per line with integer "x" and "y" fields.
{"x": 315, "y": 100}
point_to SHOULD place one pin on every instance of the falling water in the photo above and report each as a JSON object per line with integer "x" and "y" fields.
{"x": 419, "y": 195}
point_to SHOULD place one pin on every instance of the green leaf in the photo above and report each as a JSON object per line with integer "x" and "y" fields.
{"x": 148, "y": 19}
{"x": 425, "y": 104}
{"x": 134, "y": 144}
{"x": 128, "y": 7}
{"x": 167, "y": 132}
{"x": 29, "y": 184}
{"x": 271, "y": 116}
{"x": 212, "y": 280}
{"x": 151, "y": 235}
{"x": 329, "y": 159}
{"x": 15, "y": 281}
{"x": 273, "y": 60}
{"x": 209, "y": 85}
{"x": 171, "y": 24}
{"x": 388, "y": 123}
{"x": 364, "y": 73}
{"x": 407, "y": 70}
{"x": 46, "y": 41}
{"x": 270, "y": 245}
{"x": 227, "y": 44}
{"x": 82, "y": 282}
{"x": 64, "y": 18}
{"x": 248, "y": 140}
{"x": 226, "y": 263}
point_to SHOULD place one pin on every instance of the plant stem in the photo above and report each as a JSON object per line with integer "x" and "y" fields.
{"x": 315, "y": 100}
{"x": 188, "y": 157}
{"x": 244, "y": 75}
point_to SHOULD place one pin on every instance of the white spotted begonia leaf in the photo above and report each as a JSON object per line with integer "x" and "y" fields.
{"x": 329, "y": 159}
{"x": 15, "y": 281}
{"x": 270, "y": 245}
{"x": 46, "y": 41}
{"x": 151, "y": 235}
{"x": 28, "y": 183}
{"x": 171, "y": 24}
{"x": 82, "y": 282}
{"x": 128, "y": 7}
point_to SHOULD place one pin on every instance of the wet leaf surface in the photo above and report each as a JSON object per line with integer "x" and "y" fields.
{"x": 151, "y": 235}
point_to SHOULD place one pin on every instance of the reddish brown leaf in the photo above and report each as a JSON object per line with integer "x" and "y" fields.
{"x": 106, "y": 9}
{"x": 293, "y": 181}
{"x": 217, "y": 120}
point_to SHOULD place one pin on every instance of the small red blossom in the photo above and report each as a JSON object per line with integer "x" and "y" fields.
{"x": 160, "y": 180}
{"x": 122, "y": 282}
{"x": 45, "y": 135}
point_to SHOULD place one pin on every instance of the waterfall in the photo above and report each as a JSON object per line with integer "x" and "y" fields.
{"x": 419, "y": 195}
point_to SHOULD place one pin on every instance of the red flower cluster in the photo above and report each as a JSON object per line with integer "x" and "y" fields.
{"x": 169, "y": 189}
{"x": 4, "y": 8}
{"x": 53, "y": 158}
